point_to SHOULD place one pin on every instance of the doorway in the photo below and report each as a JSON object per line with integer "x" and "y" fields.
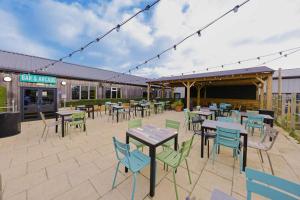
{"x": 36, "y": 100}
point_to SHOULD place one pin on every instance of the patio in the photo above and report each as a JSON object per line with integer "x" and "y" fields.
{"x": 83, "y": 167}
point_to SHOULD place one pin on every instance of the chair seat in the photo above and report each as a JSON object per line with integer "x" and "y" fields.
{"x": 137, "y": 161}
{"x": 169, "y": 143}
{"x": 169, "y": 157}
{"x": 54, "y": 123}
{"x": 257, "y": 145}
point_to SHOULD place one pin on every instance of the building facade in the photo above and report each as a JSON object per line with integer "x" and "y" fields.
{"x": 32, "y": 92}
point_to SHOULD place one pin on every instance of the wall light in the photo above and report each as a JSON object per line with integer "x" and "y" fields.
{"x": 64, "y": 83}
{"x": 7, "y": 79}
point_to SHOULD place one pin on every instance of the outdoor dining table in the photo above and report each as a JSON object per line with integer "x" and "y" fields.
{"x": 203, "y": 112}
{"x": 267, "y": 118}
{"x": 153, "y": 137}
{"x": 117, "y": 108}
{"x": 63, "y": 114}
{"x": 212, "y": 125}
{"x": 88, "y": 108}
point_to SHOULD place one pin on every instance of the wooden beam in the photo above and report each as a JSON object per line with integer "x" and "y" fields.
{"x": 262, "y": 96}
{"x": 269, "y": 92}
{"x": 163, "y": 92}
{"x": 260, "y": 80}
{"x": 172, "y": 92}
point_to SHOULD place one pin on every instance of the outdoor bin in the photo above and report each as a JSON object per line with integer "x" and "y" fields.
{"x": 10, "y": 124}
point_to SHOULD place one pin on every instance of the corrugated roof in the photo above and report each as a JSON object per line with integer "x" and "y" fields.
{"x": 251, "y": 70}
{"x": 286, "y": 73}
{"x": 24, "y": 63}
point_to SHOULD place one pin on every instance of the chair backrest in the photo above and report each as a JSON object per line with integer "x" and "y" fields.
{"x": 185, "y": 150}
{"x": 270, "y": 186}
{"x": 186, "y": 114}
{"x": 255, "y": 119}
{"x": 43, "y": 118}
{"x": 136, "y": 123}
{"x": 270, "y": 137}
{"x": 252, "y": 112}
{"x": 228, "y": 137}
{"x": 226, "y": 119}
{"x": 172, "y": 124}
{"x": 236, "y": 114}
{"x": 122, "y": 150}
{"x": 214, "y": 105}
{"x": 78, "y": 116}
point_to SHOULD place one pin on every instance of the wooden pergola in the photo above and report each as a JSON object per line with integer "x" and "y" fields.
{"x": 261, "y": 77}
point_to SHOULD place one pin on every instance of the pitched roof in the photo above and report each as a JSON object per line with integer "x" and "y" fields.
{"x": 252, "y": 70}
{"x": 24, "y": 63}
{"x": 288, "y": 73}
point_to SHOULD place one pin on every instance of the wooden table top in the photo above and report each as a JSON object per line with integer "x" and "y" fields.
{"x": 152, "y": 135}
{"x": 68, "y": 112}
{"x": 211, "y": 124}
{"x": 245, "y": 114}
{"x": 203, "y": 112}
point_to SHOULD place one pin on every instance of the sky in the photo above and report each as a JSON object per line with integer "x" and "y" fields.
{"x": 54, "y": 28}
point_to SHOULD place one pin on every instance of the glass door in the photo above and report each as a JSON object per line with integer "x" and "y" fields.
{"x": 35, "y": 100}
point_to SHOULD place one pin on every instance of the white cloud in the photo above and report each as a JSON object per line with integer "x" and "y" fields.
{"x": 12, "y": 38}
{"x": 237, "y": 36}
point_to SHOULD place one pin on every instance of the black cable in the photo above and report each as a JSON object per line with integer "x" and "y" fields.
{"x": 117, "y": 27}
{"x": 198, "y": 32}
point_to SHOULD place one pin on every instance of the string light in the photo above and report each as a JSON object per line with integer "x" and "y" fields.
{"x": 117, "y": 28}
{"x": 287, "y": 53}
{"x": 198, "y": 32}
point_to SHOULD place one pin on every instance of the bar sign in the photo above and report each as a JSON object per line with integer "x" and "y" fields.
{"x": 33, "y": 78}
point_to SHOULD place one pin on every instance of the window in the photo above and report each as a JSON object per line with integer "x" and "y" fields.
{"x": 113, "y": 93}
{"x": 84, "y": 92}
{"x": 92, "y": 92}
{"x": 75, "y": 92}
{"x": 107, "y": 94}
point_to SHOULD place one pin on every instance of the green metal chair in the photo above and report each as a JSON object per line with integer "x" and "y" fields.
{"x": 173, "y": 158}
{"x": 135, "y": 123}
{"x": 133, "y": 160}
{"x": 196, "y": 124}
{"x": 228, "y": 138}
{"x": 271, "y": 187}
{"x": 186, "y": 117}
{"x": 174, "y": 125}
{"x": 161, "y": 107}
{"x": 78, "y": 120}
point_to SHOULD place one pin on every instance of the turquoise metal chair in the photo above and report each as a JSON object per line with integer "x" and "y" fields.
{"x": 173, "y": 158}
{"x": 136, "y": 123}
{"x": 271, "y": 187}
{"x": 236, "y": 115}
{"x": 228, "y": 138}
{"x": 255, "y": 121}
{"x": 226, "y": 119}
{"x": 134, "y": 161}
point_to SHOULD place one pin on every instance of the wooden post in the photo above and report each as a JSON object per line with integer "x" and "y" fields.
{"x": 262, "y": 96}
{"x": 172, "y": 92}
{"x": 198, "y": 94}
{"x": 163, "y": 92}
{"x": 148, "y": 92}
{"x": 188, "y": 86}
{"x": 188, "y": 95}
{"x": 269, "y": 92}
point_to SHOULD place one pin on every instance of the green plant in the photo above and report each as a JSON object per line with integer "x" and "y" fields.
{"x": 3, "y": 97}
{"x": 176, "y": 103}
